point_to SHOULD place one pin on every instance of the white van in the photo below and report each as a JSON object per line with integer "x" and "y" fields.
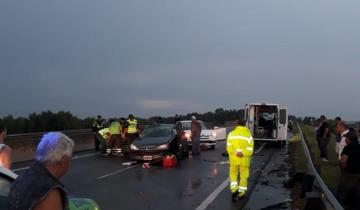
{"x": 267, "y": 122}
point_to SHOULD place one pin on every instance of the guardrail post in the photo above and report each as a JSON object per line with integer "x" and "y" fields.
{"x": 314, "y": 201}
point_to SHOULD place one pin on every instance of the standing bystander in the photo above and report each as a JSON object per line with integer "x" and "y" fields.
{"x": 195, "y": 136}
{"x": 337, "y": 136}
{"x": 323, "y": 138}
{"x": 342, "y": 129}
{"x": 5, "y": 151}
{"x": 38, "y": 187}
{"x": 349, "y": 183}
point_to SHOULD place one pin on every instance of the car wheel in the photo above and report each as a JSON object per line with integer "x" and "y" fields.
{"x": 212, "y": 147}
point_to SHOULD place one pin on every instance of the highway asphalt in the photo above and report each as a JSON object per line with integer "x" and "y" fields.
{"x": 196, "y": 183}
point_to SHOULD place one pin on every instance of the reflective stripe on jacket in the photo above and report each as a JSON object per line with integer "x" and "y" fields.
{"x": 240, "y": 140}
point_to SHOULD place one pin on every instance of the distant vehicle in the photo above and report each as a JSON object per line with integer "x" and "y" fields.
{"x": 158, "y": 140}
{"x": 7, "y": 177}
{"x": 267, "y": 122}
{"x": 208, "y": 137}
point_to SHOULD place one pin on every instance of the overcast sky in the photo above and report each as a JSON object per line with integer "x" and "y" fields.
{"x": 162, "y": 57}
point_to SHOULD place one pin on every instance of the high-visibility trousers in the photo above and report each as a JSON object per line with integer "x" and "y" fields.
{"x": 235, "y": 185}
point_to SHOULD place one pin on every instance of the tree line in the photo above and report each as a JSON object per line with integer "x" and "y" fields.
{"x": 65, "y": 120}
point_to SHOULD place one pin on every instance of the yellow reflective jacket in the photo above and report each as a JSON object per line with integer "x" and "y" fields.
{"x": 132, "y": 126}
{"x": 240, "y": 140}
{"x": 115, "y": 128}
{"x": 105, "y": 133}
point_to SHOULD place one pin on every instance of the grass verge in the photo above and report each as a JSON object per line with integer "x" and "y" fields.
{"x": 329, "y": 171}
{"x": 299, "y": 164}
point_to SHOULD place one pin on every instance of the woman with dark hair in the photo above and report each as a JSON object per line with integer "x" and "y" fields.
{"x": 5, "y": 151}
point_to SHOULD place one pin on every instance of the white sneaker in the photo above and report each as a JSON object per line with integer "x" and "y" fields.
{"x": 325, "y": 160}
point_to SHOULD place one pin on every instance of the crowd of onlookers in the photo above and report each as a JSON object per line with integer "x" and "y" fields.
{"x": 347, "y": 150}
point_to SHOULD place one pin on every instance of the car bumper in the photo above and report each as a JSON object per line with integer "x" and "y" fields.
{"x": 147, "y": 155}
{"x": 205, "y": 143}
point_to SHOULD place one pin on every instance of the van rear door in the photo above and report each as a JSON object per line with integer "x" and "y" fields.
{"x": 283, "y": 123}
{"x": 250, "y": 118}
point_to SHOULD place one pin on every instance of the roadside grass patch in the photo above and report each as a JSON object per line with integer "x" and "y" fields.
{"x": 329, "y": 171}
{"x": 299, "y": 164}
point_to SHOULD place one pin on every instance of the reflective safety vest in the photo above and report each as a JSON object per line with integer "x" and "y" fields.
{"x": 104, "y": 133}
{"x": 132, "y": 126}
{"x": 115, "y": 128}
{"x": 97, "y": 124}
{"x": 240, "y": 140}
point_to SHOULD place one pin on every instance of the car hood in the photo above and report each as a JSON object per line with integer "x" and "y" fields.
{"x": 147, "y": 141}
{"x": 203, "y": 132}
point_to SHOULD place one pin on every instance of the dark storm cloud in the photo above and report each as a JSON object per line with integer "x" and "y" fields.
{"x": 166, "y": 57}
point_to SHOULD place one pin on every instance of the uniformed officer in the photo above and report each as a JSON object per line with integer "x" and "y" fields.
{"x": 96, "y": 126}
{"x": 240, "y": 146}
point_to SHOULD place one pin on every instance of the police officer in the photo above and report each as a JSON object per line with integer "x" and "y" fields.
{"x": 131, "y": 129}
{"x": 103, "y": 137}
{"x": 115, "y": 136}
{"x": 240, "y": 146}
{"x": 96, "y": 126}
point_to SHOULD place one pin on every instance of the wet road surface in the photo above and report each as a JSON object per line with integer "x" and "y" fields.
{"x": 196, "y": 183}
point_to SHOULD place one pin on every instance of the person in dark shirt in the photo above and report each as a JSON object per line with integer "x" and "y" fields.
{"x": 195, "y": 136}
{"x": 323, "y": 138}
{"x": 176, "y": 119}
{"x": 349, "y": 183}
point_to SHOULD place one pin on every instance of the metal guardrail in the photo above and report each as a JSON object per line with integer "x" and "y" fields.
{"x": 39, "y": 133}
{"x": 328, "y": 194}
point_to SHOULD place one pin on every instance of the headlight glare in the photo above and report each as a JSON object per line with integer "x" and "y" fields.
{"x": 133, "y": 147}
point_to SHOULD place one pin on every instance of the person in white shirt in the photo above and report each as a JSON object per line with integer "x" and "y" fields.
{"x": 341, "y": 128}
{"x": 5, "y": 151}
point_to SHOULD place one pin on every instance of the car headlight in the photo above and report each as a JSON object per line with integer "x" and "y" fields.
{"x": 163, "y": 147}
{"x": 187, "y": 135}
{"x": 133, "y": 147}
{"x": 214, "y": 135}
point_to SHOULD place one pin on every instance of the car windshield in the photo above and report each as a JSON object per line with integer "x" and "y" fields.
{"x": 187, "y": 126}
{"x": 157, "y": 131}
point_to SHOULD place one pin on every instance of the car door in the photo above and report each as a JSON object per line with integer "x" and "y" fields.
{"x": 220, "y": 133}
{"x": 250, "y": 118}
{"x": 6, "y": 178}
{"x": 283, "y": 123}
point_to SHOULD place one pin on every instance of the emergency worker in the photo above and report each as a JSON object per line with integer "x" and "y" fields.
{"x": 96, "y": 126}
{"x": 131, "y": 130}
{"x": 240, "y": 146}
{"x": 115, "y": 131}
{"x": 103, "y": 137}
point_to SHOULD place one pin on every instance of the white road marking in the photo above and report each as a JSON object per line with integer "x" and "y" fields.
{"x": 220, "y": 188}
{"x": 74, "y": 158}
{"x": 20, "y": 169}
{"x": 84, "y": 156}
{"x": 117, "y": 172}
{"x": 213, "y": 195}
